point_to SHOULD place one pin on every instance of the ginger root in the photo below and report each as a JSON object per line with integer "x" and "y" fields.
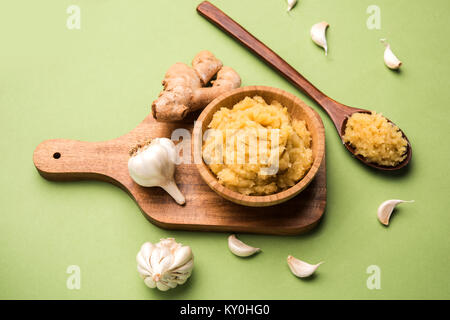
{"x": 186, "y": 90}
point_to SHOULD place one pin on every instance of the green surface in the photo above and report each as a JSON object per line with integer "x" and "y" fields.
{"x": 97, "y": 83}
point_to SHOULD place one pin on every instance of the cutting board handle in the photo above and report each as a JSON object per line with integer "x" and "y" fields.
{"x": 62, "y": 159}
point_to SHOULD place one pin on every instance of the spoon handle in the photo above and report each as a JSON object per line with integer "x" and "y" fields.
{"x": 335, "y": 110}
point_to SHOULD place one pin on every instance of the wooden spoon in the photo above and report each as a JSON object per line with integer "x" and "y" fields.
{"x": 338, "y": 112}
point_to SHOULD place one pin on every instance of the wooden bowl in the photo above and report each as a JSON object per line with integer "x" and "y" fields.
{"x": 297, "y": 109}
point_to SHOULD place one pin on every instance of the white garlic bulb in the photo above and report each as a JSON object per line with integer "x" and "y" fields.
{"x": 164, "y": 265}
{"x": 153, "y": 165}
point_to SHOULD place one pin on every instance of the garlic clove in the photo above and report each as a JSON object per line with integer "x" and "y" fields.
{"x": 161, "y": 286}
{"x": 182, "y": 256}
{"x": 300, "y": 268}
{"x": 318, "y": 35}
{"x": 185, "y": 268}
{"x": 291, "y": 4}
{"x": 167, "y": 280}
{"x": 390, "y": 59}
{"x": 149, "y": 282}
{"x": 182, "y": 280}
{"x": 144, "y": 272}
{"x": 171, "y": 284}
{"x": 385, "y": 209}
{"x": 182, "y": 277}
{"x": 146, "y": 250}
{"x": 143, "y": 257}
{"x": 164, "y": 265}
{"x": 142, "y": 262}
{"x": 239, "y": 248}
{"x": 155, "y": 258}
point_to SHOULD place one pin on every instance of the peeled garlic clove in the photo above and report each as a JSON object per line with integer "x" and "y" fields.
{"x": 300, "y": 268}
{"x": 318, "y": 35}
{"x": 239, "y": 248}
{"x": 385, "y": 210}
{"x": 291, "y": 4}
{"x": 391, "y": 61}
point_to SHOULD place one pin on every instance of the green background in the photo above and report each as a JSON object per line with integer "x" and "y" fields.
{"x": 97, "y": 83}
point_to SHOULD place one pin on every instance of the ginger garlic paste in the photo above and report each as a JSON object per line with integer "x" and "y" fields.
{"x": 375, "y": 138}
{"x": 251, "y": 139}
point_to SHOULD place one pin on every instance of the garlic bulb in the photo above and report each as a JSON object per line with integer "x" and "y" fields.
{"x": 300, "y": 268}
{"x": 153, "y": 164}
{"x": 164, "y": 265}
{"x": 291, "y": 4}
{"x": 385, "y": 210}
{"x": 318, "y": 35}
{"x": 390, "y": 59}
{"x": 239, "y": 248}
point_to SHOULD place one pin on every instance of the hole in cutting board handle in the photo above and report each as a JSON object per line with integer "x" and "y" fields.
{"x": 57, "y": 155}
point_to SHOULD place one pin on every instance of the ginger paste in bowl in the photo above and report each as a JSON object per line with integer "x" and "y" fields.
{"x": 375, "y": 138}
{"x": 255, "y": 148}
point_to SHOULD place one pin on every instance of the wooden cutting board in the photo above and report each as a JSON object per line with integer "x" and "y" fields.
{"x": 65, "y": 160}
